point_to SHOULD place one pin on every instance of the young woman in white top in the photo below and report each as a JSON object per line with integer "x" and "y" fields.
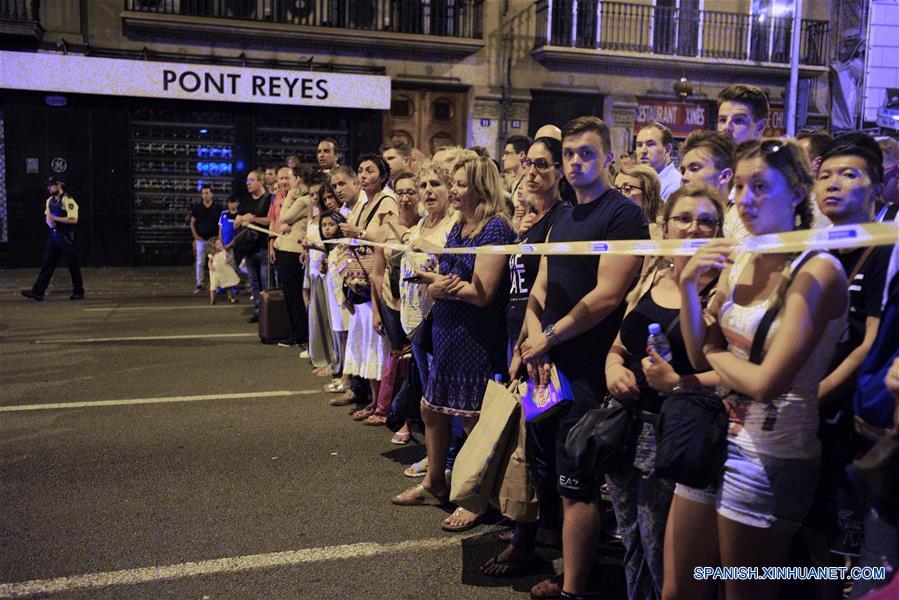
{"x": 773, "y": 454}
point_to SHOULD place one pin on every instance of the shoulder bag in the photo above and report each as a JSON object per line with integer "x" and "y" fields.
{"x": 691, "y": 431}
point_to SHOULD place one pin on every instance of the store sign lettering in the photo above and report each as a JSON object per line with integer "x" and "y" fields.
{"x": 178, "y": 81}
{"x": 227, "y": 83}
{"x": 680, "y": 117}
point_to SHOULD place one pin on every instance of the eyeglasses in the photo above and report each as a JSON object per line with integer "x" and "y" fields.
{"x": 705, "y": 224}
{"x": 402, "y": 193}
{"x": 627, "y": 188}
{"x": 541, "y": 164}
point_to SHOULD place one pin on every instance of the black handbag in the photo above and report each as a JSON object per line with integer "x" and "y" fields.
{"x": 423, "y": 335}
{"x": 691, "y": 431}
{"x": 246, "y": 241}
{"x": 604, "y": 440}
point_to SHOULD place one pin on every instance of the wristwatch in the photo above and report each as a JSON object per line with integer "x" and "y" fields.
{"x": 550, "y": 333}
{"x": 679, "y": 385}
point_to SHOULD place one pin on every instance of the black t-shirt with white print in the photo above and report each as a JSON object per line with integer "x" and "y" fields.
{"x": 523, "y": 268}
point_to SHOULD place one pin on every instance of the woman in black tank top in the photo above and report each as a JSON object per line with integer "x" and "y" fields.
{"x": 639, "y": 377}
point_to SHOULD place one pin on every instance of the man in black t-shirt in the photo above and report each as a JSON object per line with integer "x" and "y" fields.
{"x": 848, "y": 183}
{"x": 573, "y": 316}
{"x": 203, "y": 225}
{"x": 254, "y": 210}
{"x": 849, "y": 180}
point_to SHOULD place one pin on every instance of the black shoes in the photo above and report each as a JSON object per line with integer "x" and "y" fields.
{"x": 253, "y": 319}
{"x": 32, "y": 295}
{"x": 77, "y": 296}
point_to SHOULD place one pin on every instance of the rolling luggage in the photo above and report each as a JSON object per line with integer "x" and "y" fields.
{"x": 274, "y": 320}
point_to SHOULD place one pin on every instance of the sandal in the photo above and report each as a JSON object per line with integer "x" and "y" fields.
{"x": 464, "y": 526}
{"x": 363, "y": 414}
{"x": 496, "y": 567}
{"x": 548, "y": 588}
{"x": 401, "y": 438}
{"x": 422, "y": 497}
{"x": 376, "y": 420}
{"x": 345, "y": 400}
{"x": 506, "y": 536}
{"x": 322, "y": 372}
{"x": 335, "y": 387}
{"x": 419, "y": 469}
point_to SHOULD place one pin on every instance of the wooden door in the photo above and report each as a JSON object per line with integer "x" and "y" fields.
{"x": 426, "y": 118}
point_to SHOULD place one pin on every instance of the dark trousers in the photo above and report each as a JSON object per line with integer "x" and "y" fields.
{"x": 59, "y": 244}
{"x": 290, "y": 276}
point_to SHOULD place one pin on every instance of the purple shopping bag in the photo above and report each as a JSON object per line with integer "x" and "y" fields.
{"x": 541, "y": 401}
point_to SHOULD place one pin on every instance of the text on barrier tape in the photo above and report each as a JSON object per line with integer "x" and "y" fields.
{"x": 843, "y": 236}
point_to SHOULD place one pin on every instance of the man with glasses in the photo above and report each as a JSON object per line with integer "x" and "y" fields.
{"x": 254, "y": 251}
{"x": 61, "y": 216}
{"x": 654, "y": 145}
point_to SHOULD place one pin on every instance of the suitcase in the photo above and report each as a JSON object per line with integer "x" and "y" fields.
{"x": 274, "y": 320}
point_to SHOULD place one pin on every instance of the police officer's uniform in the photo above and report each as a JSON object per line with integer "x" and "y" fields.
{"x": 61, "y": 242}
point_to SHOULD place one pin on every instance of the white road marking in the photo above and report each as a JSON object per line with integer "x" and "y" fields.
{"x": 159, "y": 400}
{"x": 183, "y": 307}
{"x": 222, "y": 565}
{"x": 145, "y": 338}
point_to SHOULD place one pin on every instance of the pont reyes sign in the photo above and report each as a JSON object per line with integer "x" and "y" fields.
{"x": 179, "y": 81}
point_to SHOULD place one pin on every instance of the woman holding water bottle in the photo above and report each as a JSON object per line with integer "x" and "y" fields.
{"x": 647, "y": 361}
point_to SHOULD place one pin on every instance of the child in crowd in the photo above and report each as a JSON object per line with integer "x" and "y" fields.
{"x": 221, "y": 273}
{"x": 337, "y": 305}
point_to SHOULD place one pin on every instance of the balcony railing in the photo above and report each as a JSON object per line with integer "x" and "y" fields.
{"x": 20, "y": 10}
{"x": 621, "y": 26}
{"x": 445, "y": 18}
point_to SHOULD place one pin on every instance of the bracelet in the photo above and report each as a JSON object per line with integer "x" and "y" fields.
{"x": 679, "y": 385}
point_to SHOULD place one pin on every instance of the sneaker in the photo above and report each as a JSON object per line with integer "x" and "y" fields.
{"x": 77, "y": 296}
{"x": 288, "y": 344}
{"x": 253, "y": 319}
{"x": 32, "y": 295}
{"x": 304, "y": 354}
{"x": 198, "y": 290}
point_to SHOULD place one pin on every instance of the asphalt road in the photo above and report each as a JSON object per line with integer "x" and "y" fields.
{"x": 257, "y": 489}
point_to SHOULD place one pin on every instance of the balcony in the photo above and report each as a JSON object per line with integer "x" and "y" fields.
{"x": 20, "y": 20}
{"x": 446, "y": 27}
{"x": 641, "y": 35}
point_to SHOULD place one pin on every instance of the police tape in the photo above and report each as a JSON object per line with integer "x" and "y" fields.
{"x": 832, "y": 238}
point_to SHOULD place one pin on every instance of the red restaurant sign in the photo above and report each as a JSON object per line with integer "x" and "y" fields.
{"x": 776, "y": 126}
{"x": 680, "y": 117}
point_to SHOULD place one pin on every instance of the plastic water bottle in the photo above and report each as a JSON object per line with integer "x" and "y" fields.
{"x": 658, "y": 341}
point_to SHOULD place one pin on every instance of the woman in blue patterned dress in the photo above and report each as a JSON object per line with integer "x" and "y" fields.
{"x": 468, "y": 324}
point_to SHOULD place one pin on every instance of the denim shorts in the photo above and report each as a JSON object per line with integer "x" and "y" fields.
{"x": 767, "y": 492}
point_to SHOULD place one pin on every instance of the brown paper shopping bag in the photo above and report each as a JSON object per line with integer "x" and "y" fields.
{"x": 478, "y": 462}
{"x": 517, "y": 480}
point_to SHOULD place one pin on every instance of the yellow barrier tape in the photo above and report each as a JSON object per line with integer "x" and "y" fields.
{"x": 844, "y": 236}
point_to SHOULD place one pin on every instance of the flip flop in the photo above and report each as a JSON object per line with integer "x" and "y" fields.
{"x": 375, "y": 420}
{"x": 547, "y": 588}
{"x": 505, "y": 568}
{"x": 424, "y": 498}
{"x": 401, "y": 438}
{"x": 463, "y": 527}
{"x": 335, "y": 387}
{"x": 419, "y": 469}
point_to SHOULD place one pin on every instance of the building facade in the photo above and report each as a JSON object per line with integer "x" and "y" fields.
{"x": 468, "y": 72}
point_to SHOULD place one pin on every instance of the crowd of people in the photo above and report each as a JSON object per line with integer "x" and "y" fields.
{"x": 379, "y": 321}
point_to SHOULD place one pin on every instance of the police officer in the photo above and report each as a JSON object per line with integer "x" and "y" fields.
{"x": 61, "y": 214}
